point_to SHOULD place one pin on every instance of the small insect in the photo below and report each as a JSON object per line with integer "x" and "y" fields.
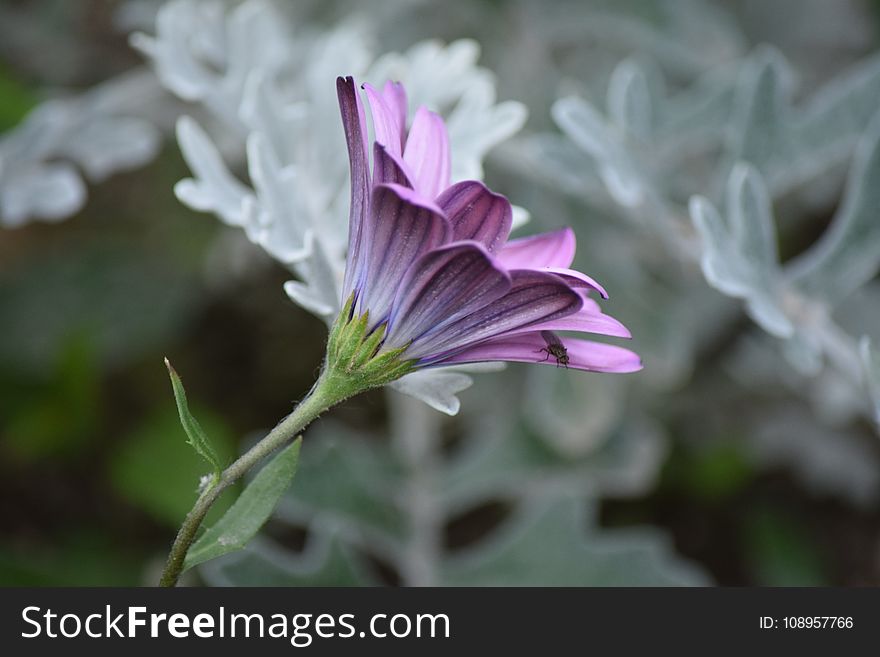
{"x": 554, "y": 348}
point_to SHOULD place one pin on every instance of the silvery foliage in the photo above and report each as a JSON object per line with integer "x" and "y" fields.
{"x": 264, "y": 98}
{"x": 273, "y": 90}
{"x": 43, "y": 160}
{"x": 734, "y": 139}
{"x": 362, "y": 500}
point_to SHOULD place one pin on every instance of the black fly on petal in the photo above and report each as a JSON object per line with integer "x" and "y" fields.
{"x": 554, "y": 348}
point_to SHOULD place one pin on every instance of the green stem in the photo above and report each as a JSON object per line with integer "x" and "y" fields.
{"x": 355, "y": 363}
{"x": 326, "y": 393}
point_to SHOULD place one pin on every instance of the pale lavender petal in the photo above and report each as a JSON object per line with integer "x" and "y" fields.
{"x": 354, "y": 123}
{"x": 535, "y": 297}
{"x": 402, "y": 227}
{"x": 427, "y": 153}
{"x": 394, "y": 96}
{"x": 386, "y": 121}
{"x": 477, "y": 214}
{"x": 441, "y": 287}
{"x": 586, "y": 320}
{"x": 554, "y": 249}
{"x": 389, "y": 168}
{"x": 530, "y": 348}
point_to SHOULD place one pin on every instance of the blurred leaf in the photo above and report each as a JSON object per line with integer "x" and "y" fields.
{"x": 346, "y": 480}
{"x": 196, "y": 436}
{"x": 250, "y": 511}
{"x": 781, "y": 551}
{"x": 325, "y": 562}
{"x": 789, "y": 145}
{"x": 629, "y": 99}
{"x": 871, "y": 367}
{"x": 587, "y": 128}
{"x": 699, "y": 113}
{"x": 513, "y": 463}
{"x": 836, "y": 116}
{"x": 84, "y": 557}
{"x": 552, "y": 543}
{"x": 739, "y": 250}
{"x": 127, "y": 302}
{"x": 848, "y": 254}
{"x": 759, "y": 134}
{"x": 15, "y": 100}
{"x": 838, "y": 462}
{"x": 713, "y": 473}
{"x": 49, "y": 191}
{"x": 573, "y": 412}
{"x": 58, "y": 416}
{"x": 156, "y": 471}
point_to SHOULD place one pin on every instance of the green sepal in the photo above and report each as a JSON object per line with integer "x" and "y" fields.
{"x": 351, "y": 338}
{"x": 338, "y": 327}
{"x": 355, "y": 359}
{"x": 369, "y": 347}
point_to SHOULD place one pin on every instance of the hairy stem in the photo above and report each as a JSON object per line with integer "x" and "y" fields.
{"x": 323, "y": 396}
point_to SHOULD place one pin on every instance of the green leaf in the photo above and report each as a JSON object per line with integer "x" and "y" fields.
{"x": 253, "y": 507}
{"x": 195, "y": 434}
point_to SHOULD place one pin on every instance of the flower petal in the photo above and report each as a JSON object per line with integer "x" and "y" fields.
{"x": 531, "y": 348}
{"x": 577, "y": 279}
{"x": 389, "y": 168}
{"x": 394, "y": 96}
{"x": 586, "y": 320}
{"x": 354, "y": 123}
{"x": 534, "y": 297}
{"x": 477, "y": 214}
{"x": 427, "y": 153}
{"x": 442, "y": 286}
{"x": 402, "y": 227}
{"x": 387, "y": 125}
{"x": 554, "y": 249}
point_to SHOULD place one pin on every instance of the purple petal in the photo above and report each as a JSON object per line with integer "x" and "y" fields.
{"x": 389, "y": 168}
{"x": 577, "y": 279}
{"x": 534, "y": 297}
{"x": 554, "y": 249}
{"x": 388, "y": 127}
{"x": 586, "y": 320}
{"x": 531, "y": 348}
{"x": 477, "y": 214}
{"x": 394, "y": 96}
{"x": 442, "y": 286}
{"x": 403, "y": 226}
{"x": 354, "y": 123}
{"x": 427, "y": 153}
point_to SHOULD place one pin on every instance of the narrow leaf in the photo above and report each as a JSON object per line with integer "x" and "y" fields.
{"x": 195, "y": 434}
{"x": 250, "y": 511}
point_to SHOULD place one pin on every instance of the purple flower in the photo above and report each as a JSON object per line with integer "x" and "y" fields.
{"x": 431, "y": 260}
